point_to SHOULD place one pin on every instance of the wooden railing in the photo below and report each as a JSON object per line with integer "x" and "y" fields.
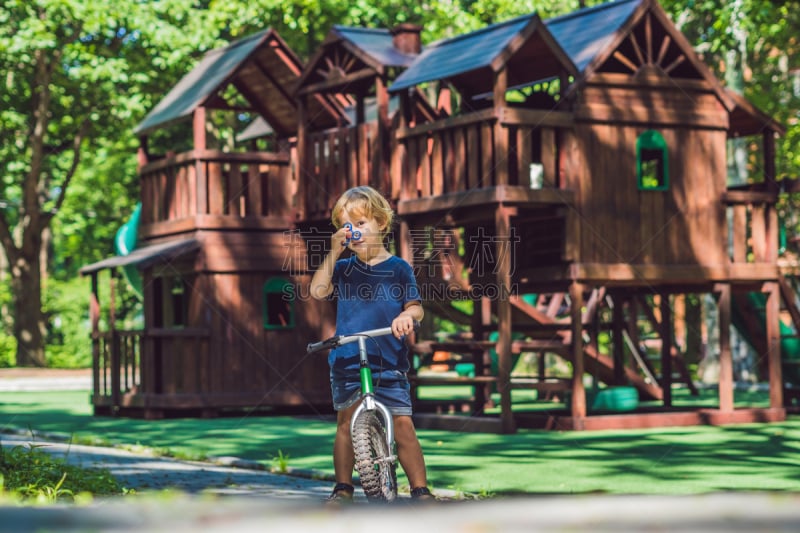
{"x": 217, "y": 183}
{"x": 753, "y": 223}
{"x": 337, "y": 160}
{"x": 116, "y": 365}
{"x": 132, "y": 362}
{"x": 504, "y": 146}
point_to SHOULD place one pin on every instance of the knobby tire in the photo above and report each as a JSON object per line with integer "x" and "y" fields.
{"x": 378, "y": 475}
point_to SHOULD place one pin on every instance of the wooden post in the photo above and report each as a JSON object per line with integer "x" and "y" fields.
{"x": 401, "y": 178}
{"x": 94, "y": 320}
{"x": 300, "y": 163}
{"x": 142, "y": 156}
{"x": 200, "y": 170}
{"x": 578, "y": 391}
{"x": 199, "y": 129}
{"x": 666, "y": 349}
{"x": 481, "y": 320}
{"x": 115, "y": 359}
{"x": 725, "y": 356}
{"x": 382, "y": 177}
{"x": 500, "y": 132}
{"x": 768, "y": 139}
{"x": 503, "y": 269}
{"x": 618, "y": 323}
{"x": 772, "y": 317}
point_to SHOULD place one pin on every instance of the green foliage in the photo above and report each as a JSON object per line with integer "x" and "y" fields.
{"x": 8, "y": 350}
{"x": 29, "y": 475}
{"x": 67, "y": 309}
{"x": 280, "y": 462}
{"x": 752, "y": 44}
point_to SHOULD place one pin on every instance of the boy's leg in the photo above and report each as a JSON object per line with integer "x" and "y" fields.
{"x": 409, "y": 452}
{"x": 343, "y": 458}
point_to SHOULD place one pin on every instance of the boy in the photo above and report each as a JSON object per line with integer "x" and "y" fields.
{"x": 372, "y": 288}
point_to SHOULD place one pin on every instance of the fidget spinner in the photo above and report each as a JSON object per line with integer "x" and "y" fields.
{"x": 355, "y": 234}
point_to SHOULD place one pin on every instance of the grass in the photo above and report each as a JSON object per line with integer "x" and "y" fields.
{"x": 27, "y": 474}
{"x": 693, "y": 460}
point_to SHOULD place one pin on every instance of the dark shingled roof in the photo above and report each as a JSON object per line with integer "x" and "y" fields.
{"x": 377, "y": 43}
{"x": 200, "y": 83}
{"x": 585, "y": 33}
{"x": 582, "y": 35}
{"x": 263, "y": 69}
{"x": 146, "y": 256}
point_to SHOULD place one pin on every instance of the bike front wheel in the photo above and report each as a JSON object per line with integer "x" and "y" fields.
{"x": 374, "y": 459}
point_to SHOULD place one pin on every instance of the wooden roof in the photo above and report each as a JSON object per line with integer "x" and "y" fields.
{"x": 262, "y": 68}
{"x": 467, "y": 59}
{"x": 581, "y": 43}
{"x": 146, "y": 256}
{"x": 349, "y": 59}
{"x": 585, "y": 33}
{"x": 746, "y": 119}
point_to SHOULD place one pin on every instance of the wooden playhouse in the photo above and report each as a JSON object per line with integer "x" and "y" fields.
{"x": 576, "y": 163}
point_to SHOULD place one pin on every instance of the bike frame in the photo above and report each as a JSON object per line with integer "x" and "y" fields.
{"x": 368, "y": 400}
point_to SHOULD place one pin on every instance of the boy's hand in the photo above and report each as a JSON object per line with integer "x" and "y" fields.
{"x": 402, "y": 325}
{"x": 338, "y": 240}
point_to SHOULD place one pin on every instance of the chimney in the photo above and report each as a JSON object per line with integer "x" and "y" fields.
{"x": 405, "y": 38}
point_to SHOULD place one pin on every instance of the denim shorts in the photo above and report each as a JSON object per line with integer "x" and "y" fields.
{"x": 393, "y": 391}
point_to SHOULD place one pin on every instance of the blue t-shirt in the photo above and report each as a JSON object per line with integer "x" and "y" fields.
{"x": 370, "y": 297}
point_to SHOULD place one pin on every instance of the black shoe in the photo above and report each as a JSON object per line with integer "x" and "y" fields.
{"x": 422, "y": 494}
{"x": 342, "y": 493}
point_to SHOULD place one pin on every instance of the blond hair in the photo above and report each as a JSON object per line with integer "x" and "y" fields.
{"x": 367, "y": 201}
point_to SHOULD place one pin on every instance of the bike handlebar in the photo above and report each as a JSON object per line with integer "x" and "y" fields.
{"x": 338, "y": 340}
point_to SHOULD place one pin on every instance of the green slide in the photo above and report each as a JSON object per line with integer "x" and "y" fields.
{"x": 755, "y": 302}
{"x": 125, "y": 243}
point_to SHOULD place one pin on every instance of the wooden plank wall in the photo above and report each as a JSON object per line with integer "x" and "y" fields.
{"x": 684, "y": 225}
{"x": 237, "y": 356}
{"x": 224, "y": 348}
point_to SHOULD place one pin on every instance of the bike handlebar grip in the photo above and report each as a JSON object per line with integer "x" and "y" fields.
{"x": 313, "y": 347}
{"x": 333, "y": 342}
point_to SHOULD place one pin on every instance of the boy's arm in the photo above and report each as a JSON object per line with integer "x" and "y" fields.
{"x": 403, "y": 324}
{"x": 321, "y": 286}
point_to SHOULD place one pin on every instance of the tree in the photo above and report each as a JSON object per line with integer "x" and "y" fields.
{"x": 73, "y": 75}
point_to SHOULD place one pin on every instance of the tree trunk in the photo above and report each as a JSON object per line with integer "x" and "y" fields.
{"x": 29, "y": 323}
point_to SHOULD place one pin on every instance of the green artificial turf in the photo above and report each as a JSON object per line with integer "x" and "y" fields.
{"x": 684, "y": 460}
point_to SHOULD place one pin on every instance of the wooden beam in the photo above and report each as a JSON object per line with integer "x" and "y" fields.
{"x": 302, "y": 148}
{"x": 636, "y": 48}
{"x": 774, "y": 355}
{"x": 578, "y": 407}
{"x": 666, "y": 349}
{"x": 199, "y": 128}
{"x": 723, "y": 291}
{"x": 637, "y": 114}
{"x": 663, "y": 50}
{"x": 501, "y": 140}
{"x": 618, "y": 324}
{"x": 384, "y": 133}
{"x": 449, "y": 122}
{"x": 672, "y": 66}
{"x": 619, "y": 56}
{"x": 338, "y": 83}
{"x": 503, "y": 268}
